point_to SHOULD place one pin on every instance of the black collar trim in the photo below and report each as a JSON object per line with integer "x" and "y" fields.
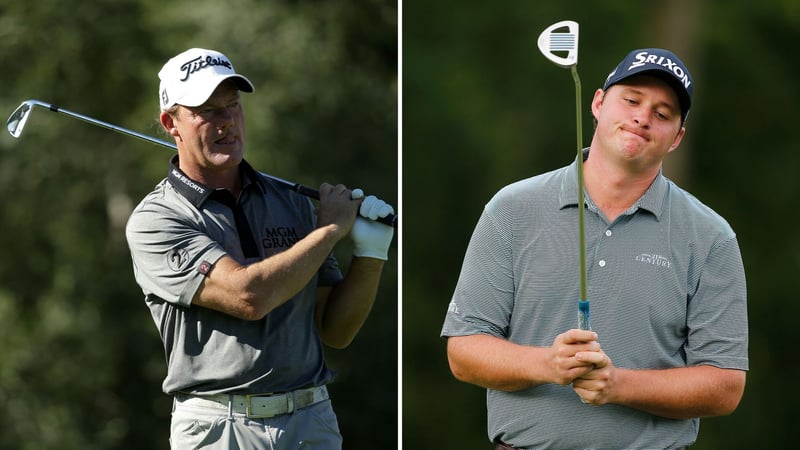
{"x": 197, "y": 193}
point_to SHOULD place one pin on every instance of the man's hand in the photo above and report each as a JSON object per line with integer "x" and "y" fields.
{"x": 372, "y": 239}
{"x": 337, "y": 207}
{"x": 572, "y": 355}
{"x": 373, "y": 207}
{"x": 595, "y": 386}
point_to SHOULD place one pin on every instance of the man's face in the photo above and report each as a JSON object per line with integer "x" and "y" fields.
{"x": 212, "y": 134}
{"x": 638, "y": 121}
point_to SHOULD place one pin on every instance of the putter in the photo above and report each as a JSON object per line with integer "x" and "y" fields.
{"x": 18, "y": 119}
{"x": 562, "y": 49}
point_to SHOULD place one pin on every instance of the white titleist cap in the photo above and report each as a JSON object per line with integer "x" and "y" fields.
{"x": 190, "y": 78}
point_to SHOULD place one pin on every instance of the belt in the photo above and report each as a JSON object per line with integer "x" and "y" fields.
{"x": 260, "y": 406}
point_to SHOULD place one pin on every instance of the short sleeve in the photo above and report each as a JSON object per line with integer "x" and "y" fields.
{"x": 717, "y": 313}
{"x": 171, "y": 255}
{"x": 484, "y": 295}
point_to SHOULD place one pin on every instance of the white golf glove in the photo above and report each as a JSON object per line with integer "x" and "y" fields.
{"x": 372, "y": 239}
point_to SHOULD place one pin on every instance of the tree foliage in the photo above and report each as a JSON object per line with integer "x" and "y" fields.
{"x": 81, "y": 363}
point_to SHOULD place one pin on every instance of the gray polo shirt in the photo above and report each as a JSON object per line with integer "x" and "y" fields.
{"x": 176, "y": 235}
{"x": 666, "y": 285}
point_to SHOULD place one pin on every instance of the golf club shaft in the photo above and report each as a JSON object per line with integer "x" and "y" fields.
{"x": 390, "y": 220}
{"x": 583, "y": 303}
{"x": 553, "y": 45}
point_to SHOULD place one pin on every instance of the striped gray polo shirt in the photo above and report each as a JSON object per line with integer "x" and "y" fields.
{"x": 666, "y": 285}
{"x": 176, "y": 234}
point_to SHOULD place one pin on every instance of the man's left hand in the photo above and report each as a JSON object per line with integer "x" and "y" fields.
{"x": 372, "y": 239}
{"x": 595, "y": 387}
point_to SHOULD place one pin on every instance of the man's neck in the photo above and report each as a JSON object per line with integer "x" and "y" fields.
{"x": 612, "y": 188}
{"x": 217, "y": 178}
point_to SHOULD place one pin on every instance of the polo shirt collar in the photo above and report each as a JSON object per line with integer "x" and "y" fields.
{"x": 652, "y": 200}
{"x": 197, "y": 193}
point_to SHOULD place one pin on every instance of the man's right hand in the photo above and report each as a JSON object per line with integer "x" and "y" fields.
{"x": 337, "y": 207}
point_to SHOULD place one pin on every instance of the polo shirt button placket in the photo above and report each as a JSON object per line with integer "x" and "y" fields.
{"x": 607, "y": 233}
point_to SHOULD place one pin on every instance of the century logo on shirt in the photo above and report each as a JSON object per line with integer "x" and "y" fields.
{"x": 656, "y": 260}
{"x": 280, "y": 237}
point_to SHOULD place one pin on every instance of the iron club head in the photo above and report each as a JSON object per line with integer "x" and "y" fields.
{"x": 17, "y": 119}
{"x": 552, "y": 43}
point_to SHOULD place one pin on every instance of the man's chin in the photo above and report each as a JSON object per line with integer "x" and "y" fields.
{"x": 226, "y": 158}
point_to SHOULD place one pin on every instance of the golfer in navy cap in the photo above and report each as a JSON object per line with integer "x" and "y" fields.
{"x": 665, "y": 279}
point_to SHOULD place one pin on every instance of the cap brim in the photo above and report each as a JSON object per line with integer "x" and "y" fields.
{"x": 197, "y": 97}
{"x": 683, "y": 97}
{"x": 680, "y": 92}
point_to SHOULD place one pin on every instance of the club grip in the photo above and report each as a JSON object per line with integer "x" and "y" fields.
{"x": 390, "y": 220}
{"x": 584, "y": 315}
{"x": 307, "y": 191}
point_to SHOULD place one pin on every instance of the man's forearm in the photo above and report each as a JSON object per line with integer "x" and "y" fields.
{"x": 347, "y": 306}
{"x": 682, "y": 393}
{"x": 495, "y": 363}
{"x": 253, "y": 291}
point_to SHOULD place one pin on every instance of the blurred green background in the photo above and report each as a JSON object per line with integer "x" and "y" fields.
{"x": 81, "y": 363}
{"x": 482, "y": 108}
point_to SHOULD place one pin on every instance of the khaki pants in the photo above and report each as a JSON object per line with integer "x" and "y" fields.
{"x": 311, "y": 428}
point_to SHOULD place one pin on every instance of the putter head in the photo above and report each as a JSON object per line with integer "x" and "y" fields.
{"x": 552, "y": 44}
{"x": 17, "y": 119}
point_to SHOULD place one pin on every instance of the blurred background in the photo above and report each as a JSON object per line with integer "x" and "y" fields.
{"x": 81, "y": 362}
{"x": 481, "y": 108}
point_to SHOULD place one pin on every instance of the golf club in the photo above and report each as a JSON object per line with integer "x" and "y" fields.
{"x": 551, "y": 44}
{"x": 18, "y": 119}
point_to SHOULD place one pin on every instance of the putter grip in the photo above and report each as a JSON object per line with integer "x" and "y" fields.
{"x": 583, "y": 315}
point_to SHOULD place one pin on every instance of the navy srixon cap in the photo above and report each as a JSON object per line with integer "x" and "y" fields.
{"x": 661, "y": 63}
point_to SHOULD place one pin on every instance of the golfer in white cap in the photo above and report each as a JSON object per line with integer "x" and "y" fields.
{"x": 238, "y": 273}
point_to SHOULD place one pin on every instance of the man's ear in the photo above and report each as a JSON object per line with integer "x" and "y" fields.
{"x": 597, "y": 102}
{"x": 678, "y": 139}
{"x": 168, "y": 122}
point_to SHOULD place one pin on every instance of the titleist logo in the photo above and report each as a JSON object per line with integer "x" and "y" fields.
{"x": 197, "y": 64}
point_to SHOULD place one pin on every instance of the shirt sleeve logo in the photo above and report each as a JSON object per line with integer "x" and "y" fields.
{"x": 177, "y": 258}
{"x": 204, "y": 267}
{"x": 452, "y": 307}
